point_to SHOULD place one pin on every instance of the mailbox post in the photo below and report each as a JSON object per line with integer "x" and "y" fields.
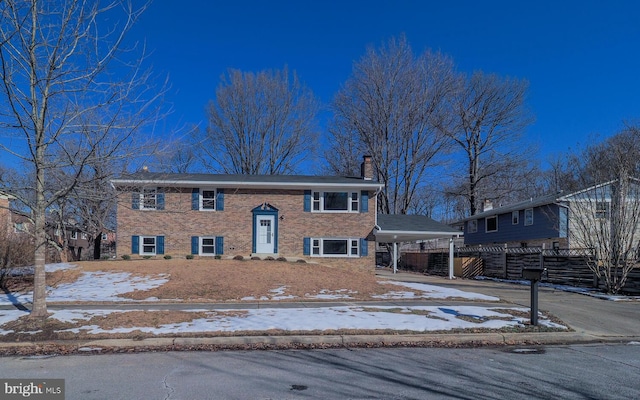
{"x": 534, "y": 275}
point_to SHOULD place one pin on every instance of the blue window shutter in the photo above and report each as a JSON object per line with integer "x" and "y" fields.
{"x": 306, "y": 246}
{"x": 364, "y": 247}
{"x": 219, "y": 245}
{"x": 160, "y": 201}
{"x": 135, "y": 244}
{"x": 364, "y": 201}
{"x": 195, "y": 243}
{"x": 195, "y": 199}
{"x": 159, "y": 244}
{"x": 220, "y": 199}
{"x": 307, "y": 201}
{"x": 135, "y": 201}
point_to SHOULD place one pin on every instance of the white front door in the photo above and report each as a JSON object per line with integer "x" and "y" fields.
{"x": 265, "y": 234}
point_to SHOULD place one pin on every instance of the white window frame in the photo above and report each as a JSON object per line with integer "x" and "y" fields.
{"x": 528, "y": 217}
{"x": 352, "y": 248}
{"x": 317, "y": 201}
{"x": 105, "y": 236}
{"x": 142, "y": 246}
{"x": 201, "y": 240}
{"x": 149, "y": 195}
{"x": 201, "y": 199}
{"x": 74, "y": 235}
{"x": 515, "y": 217}
{"x": 472, "y": 226}
{"x": 486, "y": 224}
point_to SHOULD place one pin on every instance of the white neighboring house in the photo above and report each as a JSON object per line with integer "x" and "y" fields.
{"x": 605, "y": 217}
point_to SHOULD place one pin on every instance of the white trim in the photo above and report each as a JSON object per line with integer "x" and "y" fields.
{"x": 200, "y": 245}
{"x": 320, "y": 247}
{"x": 525, "y": 216}
{"x": 362, "y": 185}
{"x": 320, "y": 201}
{"x": 486, "y": 224}
{"x": 141, "y": 246}
{"x": 201, "y": 198}
{"x": 149, "y": 192}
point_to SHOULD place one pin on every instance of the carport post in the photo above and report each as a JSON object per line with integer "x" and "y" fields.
{"x": 451, "y": 258}
{"x": 395, "y": 257}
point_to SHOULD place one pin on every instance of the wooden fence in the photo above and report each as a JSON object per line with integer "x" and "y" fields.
{"x": 564, "y": 267}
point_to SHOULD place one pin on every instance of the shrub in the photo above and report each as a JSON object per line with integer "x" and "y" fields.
{"x": 255, "y": 258}
{"x": 301, "y": 261}
{"x": 146, "y": 257}
{"x": 167, "y": 257}
{"x": 126, "y": 257}
{"x": 238, "y": 257}
{"x": 15, "y": 251}
{"x": 217, "y": 256}
{"x": 104, "y": 257}
{"x": 269, "y": 258}
{"x": 189, "y": 256}
{"x": 281, "y": 259}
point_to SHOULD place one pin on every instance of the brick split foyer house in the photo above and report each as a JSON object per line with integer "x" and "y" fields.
{"x": 291, "y": 216}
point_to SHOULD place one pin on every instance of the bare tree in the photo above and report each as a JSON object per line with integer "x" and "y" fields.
{"x": 69, "y": 87}
{"x": 605, "y": 219}
{"x": 177, "y": 156}
{"x": 389, "y": 109}
{"x": 605, "y": 160}
{"x": 605, "y": 204}
{"x": 488, "y": 116}
{"x": 260, "y": 123}
{"x": 597, "y": 162}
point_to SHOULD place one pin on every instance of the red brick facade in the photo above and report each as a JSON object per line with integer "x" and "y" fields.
{"x": 178, "y": 223}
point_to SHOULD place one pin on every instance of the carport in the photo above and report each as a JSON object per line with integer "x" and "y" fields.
{"x": 398, "y": 228}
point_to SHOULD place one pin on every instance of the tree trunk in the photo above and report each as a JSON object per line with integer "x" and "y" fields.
{"x": 97, "y": 243}
{"x": 39, "y": 279}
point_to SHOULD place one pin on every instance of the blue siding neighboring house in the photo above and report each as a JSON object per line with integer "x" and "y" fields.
{"x": 535, "y": 222}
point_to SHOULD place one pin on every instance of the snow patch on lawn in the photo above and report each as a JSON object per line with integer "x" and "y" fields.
{"x": 91, "y": 286}
{"x": 104, "y": 286}
{"x": 430, "y": 292}
{"x": 418, "y": 318}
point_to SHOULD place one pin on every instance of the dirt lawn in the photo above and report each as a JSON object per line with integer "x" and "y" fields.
{"x": 233, "y": 280}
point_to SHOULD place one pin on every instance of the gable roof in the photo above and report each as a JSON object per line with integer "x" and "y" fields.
{"x": 591, "y": 190}
{"x": 531, "y": 203}
{"x": 556, "y": 198}
{"x": 250, "y": 181}
{"x": 402, "y": 228}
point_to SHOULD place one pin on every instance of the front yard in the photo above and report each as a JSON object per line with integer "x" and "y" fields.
{"x": 178, "y": 298}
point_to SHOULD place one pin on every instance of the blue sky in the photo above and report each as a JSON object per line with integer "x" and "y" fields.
{"x": 582, "y": 58}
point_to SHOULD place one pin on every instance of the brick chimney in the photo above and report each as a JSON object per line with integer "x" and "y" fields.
{"x": 366, "y": 168}
{"x": 488, "y": 205}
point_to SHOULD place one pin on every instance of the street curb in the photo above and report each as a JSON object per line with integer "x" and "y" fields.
{"x": 320, "y": 341}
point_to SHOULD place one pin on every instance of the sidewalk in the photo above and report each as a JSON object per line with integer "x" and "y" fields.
{"x": 591, "y": 319}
